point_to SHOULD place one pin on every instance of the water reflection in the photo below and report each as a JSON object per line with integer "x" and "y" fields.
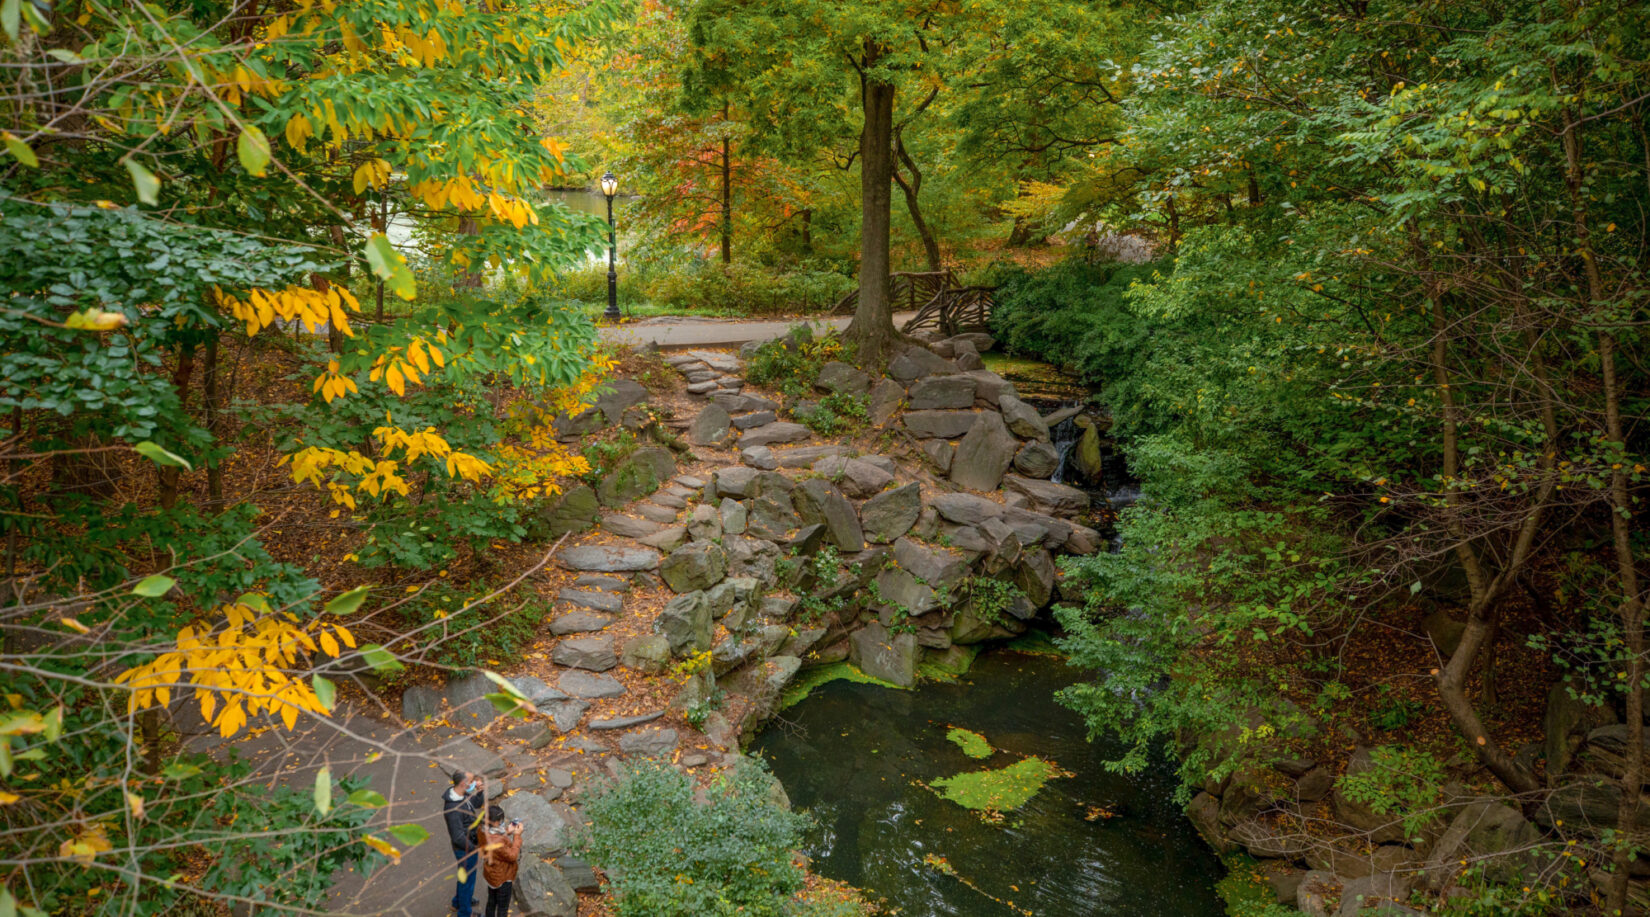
{"x": 853, "y": 755}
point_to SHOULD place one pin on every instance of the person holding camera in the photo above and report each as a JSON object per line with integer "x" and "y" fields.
{"x": 461, "y": 809}
{"x": 500, "y": 845}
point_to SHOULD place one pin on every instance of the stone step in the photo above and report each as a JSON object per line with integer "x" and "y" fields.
{"x": 605, "y": 602}
{"x": 590, "y": 685}
{"x": 580, "y": 622}
{"x": 666, "y": 498}
{"x": 775, "y": 433}
{"x": 607, "y": 558}
{"x": 626, "y": 722}
{"x": 607, "y": 583}
{"x": 593, "y": 653}
{"x": 689, "y": 481}
{"x": 628, "y": 526}
{"x": 653, "y": 512}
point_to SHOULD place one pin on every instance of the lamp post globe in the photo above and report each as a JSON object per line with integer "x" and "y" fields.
{"x": 610, "y": 187}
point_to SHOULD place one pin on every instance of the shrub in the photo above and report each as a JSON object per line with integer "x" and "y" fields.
{"x": 837, "y": 413}
{"x": 1401, "y": 781}
{"x": 791, "y": 363}
{"x": 668, "y": 855}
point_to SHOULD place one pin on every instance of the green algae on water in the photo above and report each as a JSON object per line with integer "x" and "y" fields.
{"x": 1034, "y": 642}
{"x": 993, "y": 792}
{"x": 810, "y": 679}
{"x": 973, "y": 744}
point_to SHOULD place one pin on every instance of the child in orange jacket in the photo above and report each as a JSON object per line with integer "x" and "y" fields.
{"x": 500, "y": 846}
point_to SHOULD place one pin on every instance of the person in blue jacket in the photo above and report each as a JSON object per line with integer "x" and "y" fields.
{"x": 461, "y": 808}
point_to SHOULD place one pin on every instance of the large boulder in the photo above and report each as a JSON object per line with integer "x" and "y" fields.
{"x": 820, "y": 501}
{"x": 943, "y": 393}
{"x": 966, "y": 509}
{"x": 694, "y": 566}
{"x": 1378, "y": 828}
{"x": 544, "y": 830}
{"x": 984, "y": 454}
{"x": 1564, "y": 723}
{"x": 900, "y": 593}
{"x": 772, "y": 516}
{"x": 1494, "y": 835}
{"x": 842, "y": 379}
{"x": 636, "y": 475}
{"x": 577, "y": 510}
{"x": 712, "y": 426}
{"x": 686, "y": 623}
{"x": 1046, "y": 496}
{"x": 890, "y": 514}
{"x": 858, "y": 478}
{"x": 989, "y": 388}
{"x": 939, "y": 424}
{"x": 1022, "y": 418}
{"x": 619, "y": 395}
{"x": 1037, "y": 460}
{"x": 886, "y": 397}
{"x": 917, "y": 362}
{"x": 882, "y": 654}
{"x": 735, "y": 481}
{"x": 937, "y": 567}
{"x": 542, "y": 890}
{"x": 1375, "y": 892}
{"x": 647, "y": 653}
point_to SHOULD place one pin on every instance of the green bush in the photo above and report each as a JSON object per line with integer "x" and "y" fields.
{"x": 668, "y": 855}
{"x": 742, "y": 288}
{"x": 1074, "y": 313}
{"x": 837, "y": 413}
{"x": 791, "y": 363}
{"x": 1403, "y": 782}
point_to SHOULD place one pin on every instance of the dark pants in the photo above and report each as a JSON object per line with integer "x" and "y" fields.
{"x": 498, "y": 900}
{"x": 466, "y": 893}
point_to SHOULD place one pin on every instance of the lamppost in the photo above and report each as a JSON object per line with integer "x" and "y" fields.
{"x": 610, "y": 186}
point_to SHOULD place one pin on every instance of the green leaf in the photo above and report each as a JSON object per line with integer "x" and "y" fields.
{"x": 162, "y": 457}
{"x": 325, "y": 691}
{"x": 54, "y": 724}
{"x": 388, "y": 265}
{"x": 66, "y": 56}
{"x": 1414, "y": 587}
{"x": 348, "y": 602}
{"x": 153, "y": 587}
{"x": 5, "y": 756}
{"x": 253, "y": 149}
{"x": 323, "y": 790}
{"x": 254, "y": 601}
{"x": 11, "y": 12}
{"x": 8, "y": 904}
{"x": 381, "y": 660}
{"x": 147, "y": 185}
{"x": 409, "y": 835}
{"x": 367, "y": 799}
{"x": 20, "y": 151}
{"x": 179, "y": 770}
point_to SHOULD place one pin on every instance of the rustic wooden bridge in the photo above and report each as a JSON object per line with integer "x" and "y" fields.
{"x": 941, "y": 304}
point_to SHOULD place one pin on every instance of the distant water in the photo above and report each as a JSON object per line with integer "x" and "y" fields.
{"x": 851, "y": 754}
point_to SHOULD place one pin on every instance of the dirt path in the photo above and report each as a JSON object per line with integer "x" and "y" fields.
{"x": 685, "y": 331}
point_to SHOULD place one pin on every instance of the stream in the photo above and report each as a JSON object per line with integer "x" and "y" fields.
{"x": 857, "y": 758}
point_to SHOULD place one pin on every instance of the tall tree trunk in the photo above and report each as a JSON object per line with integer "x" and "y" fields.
{"x": 727, "y": 193}
{"x": 1631, "y": 612}
{"x": 180, "y": 382}
{"x": 913, "y": 187}
{"x": 872, "y": 329}
{"x": 1483, "y": 610}
{"x": 210, "y": 404}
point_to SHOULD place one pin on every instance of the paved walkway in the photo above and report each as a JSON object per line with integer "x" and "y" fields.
{"x": 686, "y": 331}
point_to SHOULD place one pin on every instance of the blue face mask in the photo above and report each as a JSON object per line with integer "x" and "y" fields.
{"x": 473, "y": 787}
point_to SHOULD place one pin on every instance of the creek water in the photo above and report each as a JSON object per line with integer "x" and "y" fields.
{"x": 1092, "y": 844}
